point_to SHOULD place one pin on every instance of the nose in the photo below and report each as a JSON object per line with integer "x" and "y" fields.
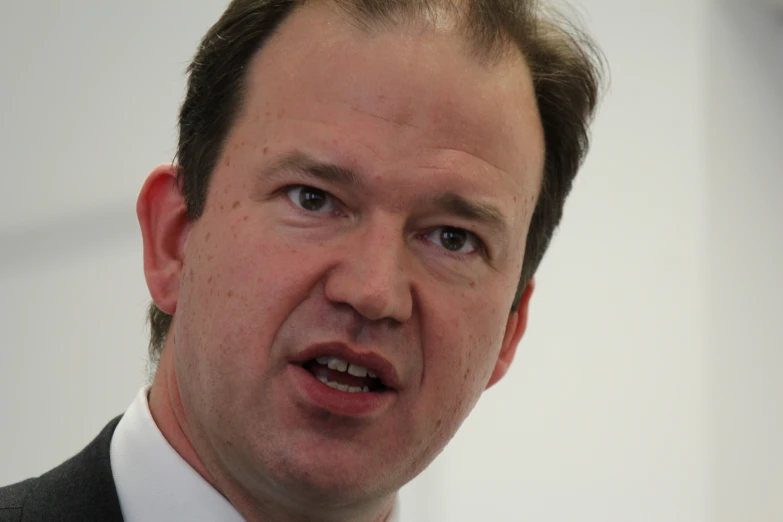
{"x": 370, "y": 275}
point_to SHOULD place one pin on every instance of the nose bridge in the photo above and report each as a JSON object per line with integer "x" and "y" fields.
{"x": 370, "y": 274}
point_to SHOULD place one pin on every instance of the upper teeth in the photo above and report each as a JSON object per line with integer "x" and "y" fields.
{"x": 342, "y": 366}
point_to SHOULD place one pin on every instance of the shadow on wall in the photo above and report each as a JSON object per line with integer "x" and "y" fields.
{"x": 763, "y": 46}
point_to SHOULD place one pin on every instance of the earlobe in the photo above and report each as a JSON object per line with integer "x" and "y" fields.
{"x": 515, "y": 329}
{"x": 164, "y": 225}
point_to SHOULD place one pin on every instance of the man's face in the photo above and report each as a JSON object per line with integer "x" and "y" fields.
{"x": 371, "y": 204}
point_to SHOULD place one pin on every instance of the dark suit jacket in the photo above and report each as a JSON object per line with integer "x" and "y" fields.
{"x": 79, "y": 490}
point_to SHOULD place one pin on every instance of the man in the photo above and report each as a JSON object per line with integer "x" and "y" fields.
{"x": 341, "y": 261}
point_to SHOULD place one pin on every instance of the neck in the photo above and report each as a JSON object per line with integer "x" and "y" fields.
{"x": 168, "y": 413}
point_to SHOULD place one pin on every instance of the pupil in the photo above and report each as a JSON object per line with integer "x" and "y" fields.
{"x": 311, "y": 198}
{"x": 453, "y": 239}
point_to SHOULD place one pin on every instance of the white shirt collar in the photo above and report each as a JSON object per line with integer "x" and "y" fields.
{"x": 154, "y": 483}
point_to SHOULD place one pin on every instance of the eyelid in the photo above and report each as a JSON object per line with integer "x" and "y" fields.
{"x": 334, "y": 200}
{"x": 480, "y": 245}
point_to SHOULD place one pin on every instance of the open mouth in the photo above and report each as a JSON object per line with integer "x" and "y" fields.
{"x": 343, "y": 376}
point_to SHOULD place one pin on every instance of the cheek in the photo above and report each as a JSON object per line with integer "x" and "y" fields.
{"x": 236, "y": 290}
{"x": 478, "y": 334}
{"x": 463, "y": 346}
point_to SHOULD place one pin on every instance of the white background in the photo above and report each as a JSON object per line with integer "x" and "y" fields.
{"x": 649, "y": 386}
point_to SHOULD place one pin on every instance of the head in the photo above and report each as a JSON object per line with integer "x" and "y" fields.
{"x": 376, "y": 178}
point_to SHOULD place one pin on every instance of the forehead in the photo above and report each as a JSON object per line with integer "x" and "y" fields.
{"x": 415, "y": 86}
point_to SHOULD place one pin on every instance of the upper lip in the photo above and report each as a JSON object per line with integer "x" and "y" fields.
{"x": 375, "y": 363}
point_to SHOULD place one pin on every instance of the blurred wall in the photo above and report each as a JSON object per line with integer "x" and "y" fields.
{"x": 90, "y": 92}
{"x": 646, "y": 388}
{"x": 745, "y": 343}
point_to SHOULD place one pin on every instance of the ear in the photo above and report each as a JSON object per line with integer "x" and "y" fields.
{"x": 515, "y": 329}
{"x": 164, "y": 226}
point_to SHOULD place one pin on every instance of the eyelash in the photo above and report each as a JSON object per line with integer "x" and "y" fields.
{"x": 480, "y": 246}
{"x": 287, "y": 189}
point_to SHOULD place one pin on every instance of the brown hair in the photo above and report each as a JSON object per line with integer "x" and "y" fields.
{"x": 564, "y": 62}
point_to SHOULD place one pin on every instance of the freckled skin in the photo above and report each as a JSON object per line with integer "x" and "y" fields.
{"x": 419, "y": 117}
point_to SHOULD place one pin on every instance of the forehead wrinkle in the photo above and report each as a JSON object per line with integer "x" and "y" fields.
{"x": 331, "y": 124}
{"x": 401, "y": 120}
{"x": 473, "y": 154}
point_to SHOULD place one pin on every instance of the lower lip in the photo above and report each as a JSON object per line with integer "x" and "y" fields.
{"x": 360, "y": 404}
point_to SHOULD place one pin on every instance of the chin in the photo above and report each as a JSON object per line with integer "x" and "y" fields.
{"x": 324, "y": 477}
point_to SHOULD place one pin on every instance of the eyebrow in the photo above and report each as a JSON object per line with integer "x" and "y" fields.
{"x": 302, "y": 164}
{"x": 298, "y": 162}
{"x": 485, "y": 214}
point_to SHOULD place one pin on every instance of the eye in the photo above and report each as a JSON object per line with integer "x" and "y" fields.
{"x": 310, "y": 198}
{"x": 455, "y": 240}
